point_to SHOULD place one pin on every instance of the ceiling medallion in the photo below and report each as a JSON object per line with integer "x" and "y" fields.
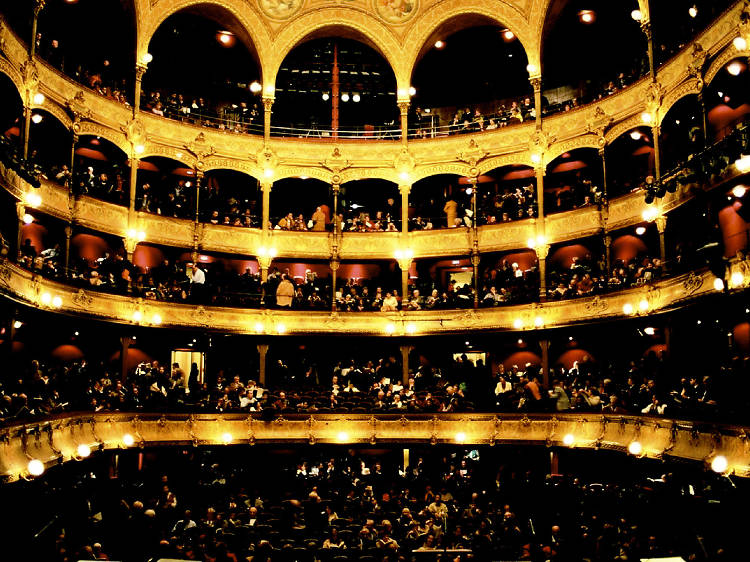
{"x": 280, "y": 9}
{"x": 396, "y": 11}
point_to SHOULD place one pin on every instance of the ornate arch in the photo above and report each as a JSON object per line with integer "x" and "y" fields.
{"x": 55, "y": 111}
{"x": 367, "y": 29}
{"x": 249, "y": 20}
{"x": 13, "y": 75}
{"x": 161, "y": 151}
{"x": 284, "y": 173}
{"x": 623, "y": 127}
{"x": 96, "y": 130}
{"x": 517, "y": 159}
{"x": 584, "y": 141}
{"x": 728, "y": 54}
{"x": 499, "y": 11}
{"x": 245, "y": 167}
{"x": 689, "y": 88}
{"x": 455, "y": 168}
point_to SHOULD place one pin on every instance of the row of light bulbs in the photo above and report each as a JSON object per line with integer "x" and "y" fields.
{"x": 345, "y": 97}
{"x": 35, "y": 467}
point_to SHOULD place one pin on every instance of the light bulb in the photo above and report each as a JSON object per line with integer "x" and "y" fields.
{"x": 719, "y": 464}
{"x": 128, "y": 440}
{"x": 390, "y": 328}
{"x": 28, "y": 219}
{"x": 739, "y": 191}
{"x": 740, "y": 43}
{"x": 57, "y": 302}
{"x": 255, "y": 87}
{"x": 569, "y": 439}
{"x": 83, "y": 450}
{"x": 156, "y": 319}
{"x": 637, "y": 15}
{"x": 411, "y": 328}
{"x": 35, "y": 467}
{"x": 36, "y": 118}
{"x": 226, "y": 437}
{"x": 719, "y": 284}
{"x": 342, "y": 437}
{"x": 628, "y": 309}
{"x": 635, "y": 448}
{"x": 460, "y": 437}
{"x": 38, "y": 98}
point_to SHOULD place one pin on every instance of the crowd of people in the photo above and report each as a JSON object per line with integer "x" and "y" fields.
{"x": 647, "y": 385}
{"x": 453, "y": 505}
{"x": 568, "y": 192}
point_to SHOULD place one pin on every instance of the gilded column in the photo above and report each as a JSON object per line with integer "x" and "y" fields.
{"x": 404, "y": 263}
{"x": 140, "y": 70}
{"x": 536, "y": 83}
{"x": 267, "y": 106}
{"x": 38, "y": 7}
{"x": 540, "y": 243}
{"x": 544, "y": 344}
{"x": 334, "y": 263}
{"x": 405, "y": 350}
{"x": 403, "y": 106}
{"x": 541, "y": 253}
{"x": 133, "y": 163}
{"x": 20, "y": 212}
{"x": 196, "y": 223}
{"x": 404, "y": 190}
{"x": 646, "y": 28}
{"x": 604, "y": 173}
{"x": 661, "y": 226}
{"x": 262, "y": 351}
{"x": 266, "y": 187}
{"x": 68, "y": 236}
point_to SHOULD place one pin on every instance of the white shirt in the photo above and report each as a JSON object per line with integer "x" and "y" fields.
{"x": 198, "y": 276}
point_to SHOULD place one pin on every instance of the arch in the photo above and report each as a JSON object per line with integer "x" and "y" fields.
{"x": 522, "y": 159}
{"x": 56, "y": 111}
{"x": 92, "y": 129}
{"x": 316, "y": 173}
{"x": 623, "y": 127}
{"x": 13, "y": 75}
{"x": 250, "y": 24}
{"x": 448, "y": 168}
{"x": 727, "y": 55}
{"x": 443, "y": 13}
{"x": 160, "y": 151}
{"x": 335, "y": 22}
{"x": 247, "y": 168}
{"x": 584, "y": 141}
{"x": 689, "y": 88}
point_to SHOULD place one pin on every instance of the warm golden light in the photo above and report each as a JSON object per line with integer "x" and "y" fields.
{"x": 740, "y": 43}
{"x": 460, "y": 437}
{"x": 404, "y": 254}
{"x": 342, "y": 437}
{"x": 35, "y": 467}
{"x": 411, "y": 328}
{"x": 38, "y": 98}
{"x": 637, "y": 15}
{"x": 739, "y": 191}
{"x": 390, "y": 328}
{"x": 46, "y": 299}
{"x": 742, "y": 163}
{"x": 32, "y": 199}
{"x": 83, "y": 450}
{"x": 628, "y": 309}
{"x": 280, "y": 328}
{"x": 569, "y": 439}
{"x": 147, "y": 58}
{"x": 156, "y": 319}
{"x": 646, "y": 117}
{"x": 650, "y": 214}
{"x": 139, "y": 149}
{"x": 643, "y": 305}
{"x": 734, "y": 68}
{"x": 718, "y": 284}
{"x": 640, "y": 231}
{"x": 137, "y": 316}
{"x": 412, "y": 91}
{"x": 737, "y": 279}
{"x": 57, "y": 302}
{"x": 17, "y": 324}
{"x": 259, "y": 327}
{"x": 719, "y": 464}
{"x": 538, "y": 321}
{"x": 518, "y": 323}
{"x": 439, "y": 44}
{"x": 226, "y": 438}
{"x": 36, "y": 118}
{"x": 28, "y": 219}
{"x": 635, "y": 448}
{"x": 532, "y": 69}
{"x": 128, "y": 440}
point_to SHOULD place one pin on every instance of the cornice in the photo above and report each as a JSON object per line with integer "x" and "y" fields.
{"x": 22, "y": 286}
{"x": 56, "y": 440}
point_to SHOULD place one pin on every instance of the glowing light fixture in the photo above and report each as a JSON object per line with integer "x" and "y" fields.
{"x": 137, "y": 316}
{"x": 650, "y": 214}
{"x": 139, "y": 149}
{"x": 460, "y": 437}
{"x": 532, "y": 68}
{"x": 646, "y": 117}
{"x": 628, "y": 309}
{"x": 28, "y": 219}
{"x": 35, "y": 467}
{"x": 569, "y": 439}
{"x": 128, "y": 440}
{"x": 147, "y": 58}
{"x": 83, "y": 450}
{"x": 32, "y": 199}
{"x": 718, "y": 284}
{"x": 156, "y": 319}
{"x": 268, "y": 172}
{"x": 255, "y": 87}
{"x": 743, "y": 163}
{"x": 326, "y": 96}
{"x": 36, "y": 118}
{"x": 412, "y": 91}
{"x": 643, "y": 305}
{"x": 345, "y": 97}
{"x": 17, "y": 324}
{"x": 226, "y": 438}
{"x": 38, "y": 98}
{"x": 518, "y": 324}
{"x": 411, "y": 328}
{"x": 734, "y": 68}
{"x": 649, "y": 331}
{"x": 739, "y": 191}
{"x": 587, "y": 16}
{"x": 390, "y": 328}
{"x": 508, "y": 35}
{"x": 719, "y": 464}
{"x": 640, "y": 231}
{"x": 740, "y": 43}
{"x": 280, "y": 328}
{"x": 636, "y": 135}
{"x": 538, "y": 321}
{"x": 693, "y": 11}
{"x": 57, "y": 302}
{"x": 439, "y": 44}
{"x": 737, "y": 279}
{"x": 637, "y": 15}
{"x": 258, "y": 327}
{"x": 342, "y": 437}
{"x": 46, "y": 299}
{"x": 635, "y": 448}
{"x": 404, "y": 254}
{"x": 356, "y": 98}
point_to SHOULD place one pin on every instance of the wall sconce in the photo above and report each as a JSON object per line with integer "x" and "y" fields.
{"x": 405, "y": 254}
{"x": 32, "y": 199}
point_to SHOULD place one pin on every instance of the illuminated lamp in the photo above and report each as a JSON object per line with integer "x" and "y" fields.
{"x": 635, "y": 448}
{"x": 28, "y": 219}
{"x": 460, "y": 437}
{"x": 569, "y": 439}
{"x": 36, "y": 118}
{"x": 740, "y": 43}
{"x": 412, "y": 91}
{"x": 255, "y": 87}
{"x": 38, "y": 98}
{"x": 439, "y": 44}
{"x": 128, "y": 440}
{"x": 628, "y": 309}
{"x": 739, "y": 191}
{"x": 226, "y": 438}
{"x": 587, "y": 16}
{"x": 326, "y": 96}
{"x": 356, "y": 98}
{"x": 345, "y": 97}
{"x": 342, "y": 437}
{"x": 637, "y": 15}
{"x": 636, "y": 135}
{"x": 693, "y": 11}
{"x": 736, "y": 279}
{"x": 83, "y": 451}
{"x": 718, "y": 284}
{"x": 640, "y": 231}
{"x": 743, "y": 163}
{"x": 734, "y": 68}
{"x": 719, "y": 464}
{"x": 35, "y": 467}
{"x": 411, "y": 328}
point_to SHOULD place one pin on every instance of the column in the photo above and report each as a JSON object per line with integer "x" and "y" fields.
{"x": 541, "y": 253}
{"x": 554, "y": 462}
{"x": 405, "y": 350}
{"x": 20, "y": 212}
{"x": 262, "y": 351}
{"x": 125, "y": 342}
{"x": 404, "y": 191}
{"x": 140, "y": 70}
{"x": 544, "y": 344}
{"x": 541, "y": 246}
{"x": 403, "y": 106}
{"x": 404, "y": 263}
{"x": 646, "y": 28}
{"x": 656, "y": 132}
{"x": 661, "y": 226}
{"x": 38, "y": 7}
{"x": 267, "y": 105}
{"x": 196, "y": 222}
{"x": 133, "y": 163}
{"x": 334, "y": 268}
{"x": 336, "y": 189}
{"x": 608, "y": 253}
{"x": 264, "y": 262}
{"x": 68, "y": 236}
{"x": 475, "y": 259}
{"x": 604, "y": 174}
{"x": 536, "y": 83}
{"x": 265, "y": 187}
{"x": 704, "y": 117}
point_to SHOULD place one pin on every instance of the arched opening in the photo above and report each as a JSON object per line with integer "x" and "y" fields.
{"x": 681, "y": 133}
{"x": 92, "y": 41}
{"x": 50, "y": 146}
{"x": 576, "y": 269}
{"x": 442, "y": 283}
{"x": 11, "y": 111}
{"x": 204, "y": 71}
{"x": 630, "y": 160}
{"x": 101, "y": 170}
{"x": 573, "y": 181}
{"x": 727, "y": 99}
{"x": 335, "y": 84}
{"x": 301, "y": 203}
{"x": 230, "y": 198}
{"x": 588, "y": 54}
{"x": 370, "y": 205}
{"x": 436, "y": 202}
{"x": 165, "y": 187}
{"x": 510, "y": 196}
{"x": 675, "y": 24}
{"x": 471, "y": 76}
{"x": 508, "y": 278}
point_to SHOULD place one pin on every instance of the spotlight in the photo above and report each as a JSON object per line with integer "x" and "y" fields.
{"x": 587, "y": 16}
{"x": 640, "y": 231}
{"x": 460, "y": 437}
{"x": 83, "y": 450}
{"x": 734, "y": 68}
{"x": 719, "y": 284}
{"x": 226, "y": 438}
{"x": 739, "y": 191}
{"x": 128, "y": 440}
{"x": 740, "y": 43}
{"x": 635, "y": 448}
{"x": 719, "y": 464}
{"x": 569, "y": 439}
{"x": 637, "y": 15}
{"x": 255, "y": 87}
{"x": 356, "y": 98}
{"x": 439, "y": 44}
{"x": 326, "y": 96}
{"x": 36, "y": 118}
{"x": 35, "y": 467}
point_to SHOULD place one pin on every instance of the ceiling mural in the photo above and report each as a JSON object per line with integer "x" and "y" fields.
{"x": 396, "y": 11}
{"x": 280, "y": 9}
